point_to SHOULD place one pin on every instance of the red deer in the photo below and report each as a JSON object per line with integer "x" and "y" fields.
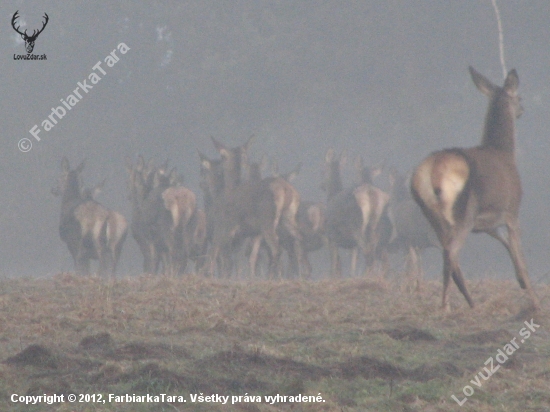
{"x": 410, "y": 230}
{"x": 162, "y": 212}
{"x": 379, "y": 201}
{"x": 352, "y": 215}
{"x": 139, "y": 188}
{"x": 477, "y": 189}
{"x": 116, "y": 229}
{"x": 252, "y": 209}
{"x": 90, "y": 230}
{"x": 212, "y": 184}
{"x": 310, "y": 219}
{"x": 199, "y": 240}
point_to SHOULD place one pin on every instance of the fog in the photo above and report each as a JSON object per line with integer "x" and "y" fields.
{"x": 384, "y": 79}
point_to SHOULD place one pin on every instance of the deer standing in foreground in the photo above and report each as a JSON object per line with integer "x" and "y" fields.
{"x": 90, "y": 230}
{"x": 477, "y": 189}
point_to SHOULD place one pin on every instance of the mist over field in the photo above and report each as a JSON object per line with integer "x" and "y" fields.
{"x": 386, "y": 80}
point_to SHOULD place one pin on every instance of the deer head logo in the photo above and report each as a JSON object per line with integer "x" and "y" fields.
{"x": 29, "y": 40}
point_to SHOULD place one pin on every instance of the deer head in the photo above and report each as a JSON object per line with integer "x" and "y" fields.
{"x": 29, "y": 40}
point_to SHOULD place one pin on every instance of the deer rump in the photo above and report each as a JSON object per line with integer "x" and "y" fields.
{"x": 166, "y": 215}
{"x": 91, "y": 231}
{"x": 253, "y": 209}
{"x": 468, "y": 185}
{"x": 351, "y": 217}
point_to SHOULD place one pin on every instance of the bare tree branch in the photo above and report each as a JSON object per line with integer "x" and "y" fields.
{"x": 500, "y": 38}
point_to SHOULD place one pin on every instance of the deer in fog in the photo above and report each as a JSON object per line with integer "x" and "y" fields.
{"x": 378, "y": 220}
{"x": 90, "y": 230}
{"x": 410, "y": 230}
{"x": 162, "y": 215}
{"x": 310, "y": 220}
{"x": 198, "y": 248}
{"x": 477, "y": 189}
{"x": 352, "y": 215}
{"x": 139, "y": 186}
{"x": 251, "y": 209}
{"x": 116, "y": 228}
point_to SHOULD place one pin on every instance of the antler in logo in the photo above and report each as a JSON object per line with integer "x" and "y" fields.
{"x": 29, "y": 40}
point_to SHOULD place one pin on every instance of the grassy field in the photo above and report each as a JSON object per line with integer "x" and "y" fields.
{"x": 358, "y": 344}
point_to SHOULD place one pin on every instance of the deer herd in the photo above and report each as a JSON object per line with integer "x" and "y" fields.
{"x": 451, "y": 193}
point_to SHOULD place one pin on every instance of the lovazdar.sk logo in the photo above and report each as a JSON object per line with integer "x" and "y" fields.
{"x": 29, "y": 39}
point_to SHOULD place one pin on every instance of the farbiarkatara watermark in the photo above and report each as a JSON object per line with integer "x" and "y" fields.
{"x": 501, "y": 358}
{"x": 72, "y": 99}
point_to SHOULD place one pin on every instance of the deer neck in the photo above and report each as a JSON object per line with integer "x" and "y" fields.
{"x": 231, "y": 169}
{"x": 499, "y": 132}
{"x": 335, "y": 185}
{"x": 72, "y": 190}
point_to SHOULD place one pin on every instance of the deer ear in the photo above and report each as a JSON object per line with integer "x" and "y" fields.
{"x": 224, "y": 153}
{"x": 173, "y": 176}
{"x": 392, "y": 176}
{"x": 140, "y": 163}
{"x": 294, "y": 173}
{"x": 378, "y": 169}
{"x": 250, "y": 140}
{"x": 219, "y": 146}
{"x": 65, "y": 165}
{"x": 511, "y": 83}
{"x": 483, "y": 84}
{"x": 343, "y": 159}
{"x": 329, "y": 156}
{"x": 80, "y": 167}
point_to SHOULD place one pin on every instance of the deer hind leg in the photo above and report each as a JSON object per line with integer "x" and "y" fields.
{"x": 451, "y": 268}
{"x": 353, "y": 263}
{"x": 512, "y": 244}
{"x": 419, "y": 270}
{"x": 335, "y": 263}
{"x": 272, "y": 242}
{"x": 366, "y": 249}
{"x": 291, "y": 225}
{"x": 213, "y": 258}
{"x": 412, "y": 267}
{"x": 307, "y": 266}
{"x": 253, "y": 258}
{"x": 153, "y": 259}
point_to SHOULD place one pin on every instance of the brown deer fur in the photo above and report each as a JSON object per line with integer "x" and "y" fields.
{"x": 352, "y": 215}
{"x": 252, "y": 209}
{"x": 90, "y": 230}
{"x": 477, "y": 189}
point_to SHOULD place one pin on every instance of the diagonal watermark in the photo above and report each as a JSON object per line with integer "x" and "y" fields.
{"x": 83, "y": 88}
{"x": 501, "y": 357}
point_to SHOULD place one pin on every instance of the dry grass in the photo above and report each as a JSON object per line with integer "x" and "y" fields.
{"x": 365, "y": 345}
